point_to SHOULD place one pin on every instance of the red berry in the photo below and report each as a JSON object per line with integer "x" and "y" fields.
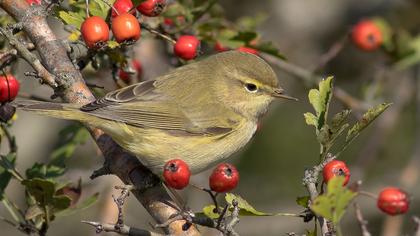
{"x": 224, "y": 178}
{"x": 126, "y": 76}
{"x": 186, "y": 47}
{"x": 393, "y": 201}
{"x": 336, "y": 168}
{"x": 94, "y": 31}
{"x": 151, "y": 7}
{"x": 168, "y": 21}
{"x": 125, "y": 27}
{"x": 248, "y": 50}
{"x": 36, "y": 2}
{"x": 123, "y": 6}
{"x": 9, "y": 88}
{"x": 366, "y": 35}
{"x": 219, "y": 47}
{"x": 176, "y": 174}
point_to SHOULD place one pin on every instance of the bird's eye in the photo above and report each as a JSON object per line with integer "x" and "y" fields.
{"x": 250, "y": 87}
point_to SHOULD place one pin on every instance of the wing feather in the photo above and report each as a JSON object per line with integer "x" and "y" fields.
{"x": 144, "y": 105}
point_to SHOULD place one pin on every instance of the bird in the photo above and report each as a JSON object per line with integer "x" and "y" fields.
{"x": 202, "y": 112}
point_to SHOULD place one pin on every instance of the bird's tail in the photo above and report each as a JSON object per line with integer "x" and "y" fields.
{"x": 57, "y": 110}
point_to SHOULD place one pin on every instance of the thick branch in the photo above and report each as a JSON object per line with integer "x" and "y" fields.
{"x": 53, "y": 55}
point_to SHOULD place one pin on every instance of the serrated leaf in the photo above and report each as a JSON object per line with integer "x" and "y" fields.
{"x": 332, "y": 205}
{"x": 6, "y": 163}
{"x": 367, "y": 119}
{"x": 320, "y": 100}
{"x": 303, "y": 201}
{"x": 41, "y": 189}
{"x": 100, "y": 8}
{"x": 209, "y": 211}
{"x": 88, "y": 202}
{"x": 310, "y": 119}
{"x": 60, "y": 203}
{"x": 324, "y": 135}
{"x": 33, "y": 211}
{"x": 245, "y": 207}
{"x": 71, "y": 18}
{"x": 386, "y": 31}
{"x": 339, "y": 120}
{"x": 245, "y": 36}
{"x": 269, "y": 48}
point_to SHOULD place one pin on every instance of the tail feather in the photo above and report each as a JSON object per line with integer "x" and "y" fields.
{"x": 57, "y": 110}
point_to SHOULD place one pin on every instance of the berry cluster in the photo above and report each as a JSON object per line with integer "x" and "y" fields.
{"x": 125, "y": 27}
{"x": 224, "y": 178}
{"x": 391, "y": 200}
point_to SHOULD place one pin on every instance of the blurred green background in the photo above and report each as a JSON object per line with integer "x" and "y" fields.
{"x": 272, "y": 166}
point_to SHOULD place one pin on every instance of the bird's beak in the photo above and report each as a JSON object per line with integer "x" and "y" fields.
{"x": 279, "y": 93}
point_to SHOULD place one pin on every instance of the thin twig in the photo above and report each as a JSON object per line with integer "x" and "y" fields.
{"x": 123, "y": 230}
{"x": 213, "y": 196}
{"x": 310, "y": 79}
{"x": 417, "y": 222}
{"x": 362, "y": 222}
{"x": 310, "y": 180}
{"x": 125, "y": 192}
{"x": 30, "y": 58}
{"x": 368, "y": 194}
{"x": 157, "y": 33}
{"x": 87, "y": 8}
{"x": 332, "y": 52}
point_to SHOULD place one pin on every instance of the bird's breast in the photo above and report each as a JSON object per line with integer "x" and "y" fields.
{"x": 200, "y": 152}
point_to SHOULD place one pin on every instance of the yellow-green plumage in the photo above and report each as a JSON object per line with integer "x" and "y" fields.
{"x": 202, "y": 112}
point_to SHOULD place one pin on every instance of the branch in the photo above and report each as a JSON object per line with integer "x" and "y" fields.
{"x": 123, "y": 230}
{"x": 310, "y": 181}
{"x": 157, "y": 33}
{"x": 119, "y": 227}
{"x": 310, "y": 79}
{"x": 29, "y": 57}
{"x": 417, "y": 222}
{"x": 72, "y": 88}
{"x": 362, "y": 222}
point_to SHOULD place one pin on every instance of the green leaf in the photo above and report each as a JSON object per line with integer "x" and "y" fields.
{"x": 71, "y": 18}
{"x": 367, "y": 118}
{"x": 246, "y": 208}
{"x": 339, "y": 120}
{"x": 209, "y": 211}
{"x": 245, "y": 36}
{"x": 6, "y": 163}
{"x": 320, "y": 100}
{"x": 88, "y": 202}
{"x": 41, "y": 189}
{"x": 310, "y": 119}
{"x": 333, "y": 204}
{"x": 269, "y": 48}
{"x": 100, "y": 8}
{"x": 387, "y": 33}
{"x": 60, "y": 203}
{"x": 303, "y": 201}
{"x": 324, "y": 135}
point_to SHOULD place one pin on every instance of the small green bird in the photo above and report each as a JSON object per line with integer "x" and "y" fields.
{"x": 201, "y": 112}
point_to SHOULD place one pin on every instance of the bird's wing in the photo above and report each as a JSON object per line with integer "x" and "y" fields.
{"x": 143, "y": 105}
